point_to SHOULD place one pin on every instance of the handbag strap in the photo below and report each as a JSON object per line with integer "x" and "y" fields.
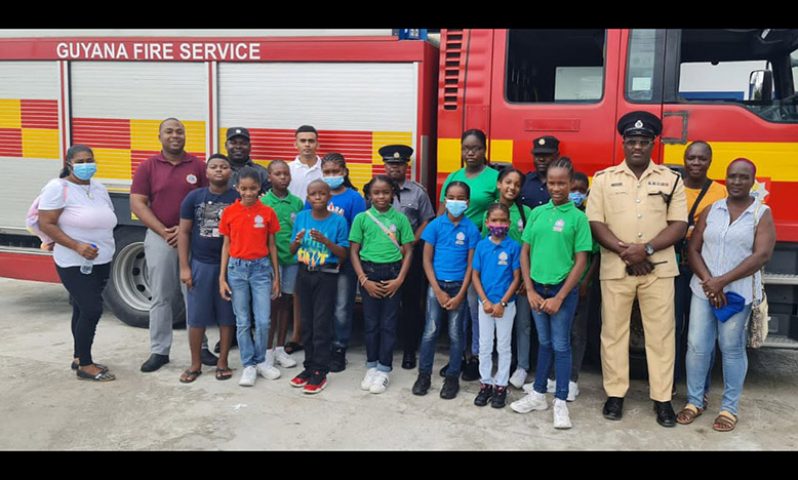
{"x": 704, "y": 190}
{"x": 384, "y": 229}
{"x": 762, "y": 270}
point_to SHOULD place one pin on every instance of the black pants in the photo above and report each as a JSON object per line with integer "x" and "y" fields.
{"x": 85, "y": 294}
{"x": 317, "y": 291}
{"x": 380, "y": 316}
{"x": 411, "y": 316}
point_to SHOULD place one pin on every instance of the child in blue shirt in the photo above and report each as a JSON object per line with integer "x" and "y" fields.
{"x": 448, "y": 252}
{"x": 496, "y": 276}
{"x": 344, "y": 201}
{"x": 320, "y": 244}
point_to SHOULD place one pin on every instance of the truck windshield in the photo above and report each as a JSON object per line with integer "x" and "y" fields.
{"x": 753, "y": 68}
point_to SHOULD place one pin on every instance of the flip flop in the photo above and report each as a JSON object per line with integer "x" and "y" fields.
{"x": 75, "y": 366}
{"x": 103, "y": 376}
{"x": 224, "y": 373}
{"x": 189, "y": 376}
{"x": 292, "y": 347}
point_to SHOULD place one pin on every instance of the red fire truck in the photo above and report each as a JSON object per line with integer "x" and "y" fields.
{"x": 365, "y": 89}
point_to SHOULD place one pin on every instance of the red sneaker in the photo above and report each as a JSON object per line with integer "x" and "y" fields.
{"x": 301, "y": 380}
{"x": 316, "y": 384}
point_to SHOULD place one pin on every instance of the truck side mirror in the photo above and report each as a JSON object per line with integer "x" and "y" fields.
{"x": 760, "y": 86}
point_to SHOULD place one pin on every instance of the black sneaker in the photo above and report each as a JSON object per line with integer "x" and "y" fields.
{"x": 316, "y": 383}
{"x": 423, "y": 382}
{"x": 471, "y": 370}
{"x": 499, "y": 397}
{"x": 302, "y": 379}
{"x": 207, "y": 358}
{"x": 450, "y": 388}
{"x": 218, "y": 347}
{"x": 155, "y": 362}
{"x": 338, "y": 360}
{"x": 443, "y": 371}
{"x": 485, "y": 392}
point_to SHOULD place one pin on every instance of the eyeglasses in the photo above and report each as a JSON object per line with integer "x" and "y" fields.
{"x": 638, "y": 143}
{"x": 473, "y": 149}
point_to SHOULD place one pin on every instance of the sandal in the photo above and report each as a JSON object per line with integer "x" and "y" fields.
{"x": 224, "y": 373}
{"x": 75, "y": 366}
{"x": 688, "y": 414}
{"x": 189, "y": 376}
{"x": 103, "y": 376}
{"x": 724, "y": 422}
{"x": 292, "y": 347}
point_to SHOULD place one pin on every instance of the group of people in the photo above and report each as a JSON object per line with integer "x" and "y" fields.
{"x": 256, "y": 249}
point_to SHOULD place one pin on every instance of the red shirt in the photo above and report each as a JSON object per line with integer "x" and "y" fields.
{"x": 166, "y": 185}
{"x": 249, "y": 229}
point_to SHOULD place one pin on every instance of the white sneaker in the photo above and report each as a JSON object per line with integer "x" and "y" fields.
{"x": 529, "y": 387}
{"x": 368, "y": 379}
{"x": 551, "y": 386}
{"x": 561, "y": 418}
{"x": 518, "y": 378}
{"x": 283, "y": 359}
{"x": 573, "y": 391}
{"x": 267, "y": 371}
{"x": 532, "y": 401}
{"x": 248, "y": 376}
{"x": 380, "y": 383}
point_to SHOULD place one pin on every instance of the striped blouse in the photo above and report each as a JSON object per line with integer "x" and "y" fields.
{"x": 726, "y": 246}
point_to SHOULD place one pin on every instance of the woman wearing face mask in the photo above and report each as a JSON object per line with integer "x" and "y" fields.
{"x": 77, "y": 213}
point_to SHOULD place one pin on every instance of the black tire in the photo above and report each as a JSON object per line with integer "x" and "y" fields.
{"x": 128, "y": 290}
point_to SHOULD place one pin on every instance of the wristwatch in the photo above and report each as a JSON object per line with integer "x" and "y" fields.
{"x": 504, "y": 304}
{"x": 649, "y": 249}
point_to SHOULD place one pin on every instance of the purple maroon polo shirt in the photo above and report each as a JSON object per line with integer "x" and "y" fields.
{"x": 166, "y": 185}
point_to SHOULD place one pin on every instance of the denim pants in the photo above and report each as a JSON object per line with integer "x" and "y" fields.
{"x": 731, "y": 336}
{"x": 251, "y": 283}
{"x": 554, "y": 335}
{"x": 683, "y": 298}
{"x": 523, "y": 331}
{"x": 473, "y": 316}
{"x": 380, "y": 316}
{"x": 433, "y": 326}
{"x": 344, "y": 305}
{"x": 504, "y": 333}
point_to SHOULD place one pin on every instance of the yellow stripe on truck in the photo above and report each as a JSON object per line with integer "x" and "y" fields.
{"x": 773, "y": 159}
{"x": 40, "y": 143}
{"x": 501, "y": 151}
{"x": 448, "y": 155}
{"x": 10, "y": 113}
{"x": 113, "y": 163}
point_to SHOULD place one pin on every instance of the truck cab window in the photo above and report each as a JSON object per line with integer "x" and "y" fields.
{"x": 554, "y": 66}
{"x": 644, "y": 66}
{"x": 753, "y": 68}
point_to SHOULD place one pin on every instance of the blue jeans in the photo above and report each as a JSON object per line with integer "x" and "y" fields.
{"x": 380, "y": 316}
{"x": 433, "y": 326}
{"x": 731, "y": 336}
{"x": 344, "y": 305}
{"x": 683, "y": 298}
{"x": 251, "y": 281}
{"x": 523, "y": 331}
{"x": 554, "y": 334}
{"x": 473, "y": 312}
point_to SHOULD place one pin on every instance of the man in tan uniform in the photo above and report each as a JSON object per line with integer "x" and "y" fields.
{"x": 637, "y": 211}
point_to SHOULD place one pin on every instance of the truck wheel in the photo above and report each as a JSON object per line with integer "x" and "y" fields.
{"x": 128, "y": 291}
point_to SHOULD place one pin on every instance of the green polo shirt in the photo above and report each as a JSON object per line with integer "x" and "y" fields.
{"x": 555, "y": 234}
{"x": 378, "y": 247}
{"x": 483, "y": 192}
{"x": 286, "y": 210}
{"x": 516, "y": 222}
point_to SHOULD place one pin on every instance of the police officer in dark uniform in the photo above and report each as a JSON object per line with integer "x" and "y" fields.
{"x": 415, "y": 203}
{"x": 238, "y": 147}
{"x": 544, "y": 151}
{"x": 637, "y": 211}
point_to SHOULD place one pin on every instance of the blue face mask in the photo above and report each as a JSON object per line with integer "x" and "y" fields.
{"x": 577, "y": 197}
{"x": 456, "y": 207}
{"x": 84, "y": 171}
{"x": 333, "y": 182}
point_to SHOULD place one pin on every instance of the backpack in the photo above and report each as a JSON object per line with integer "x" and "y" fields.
{"x": 32, "y": 220}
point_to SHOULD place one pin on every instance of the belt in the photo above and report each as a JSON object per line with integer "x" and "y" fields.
{"x": 321, "y": 268}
